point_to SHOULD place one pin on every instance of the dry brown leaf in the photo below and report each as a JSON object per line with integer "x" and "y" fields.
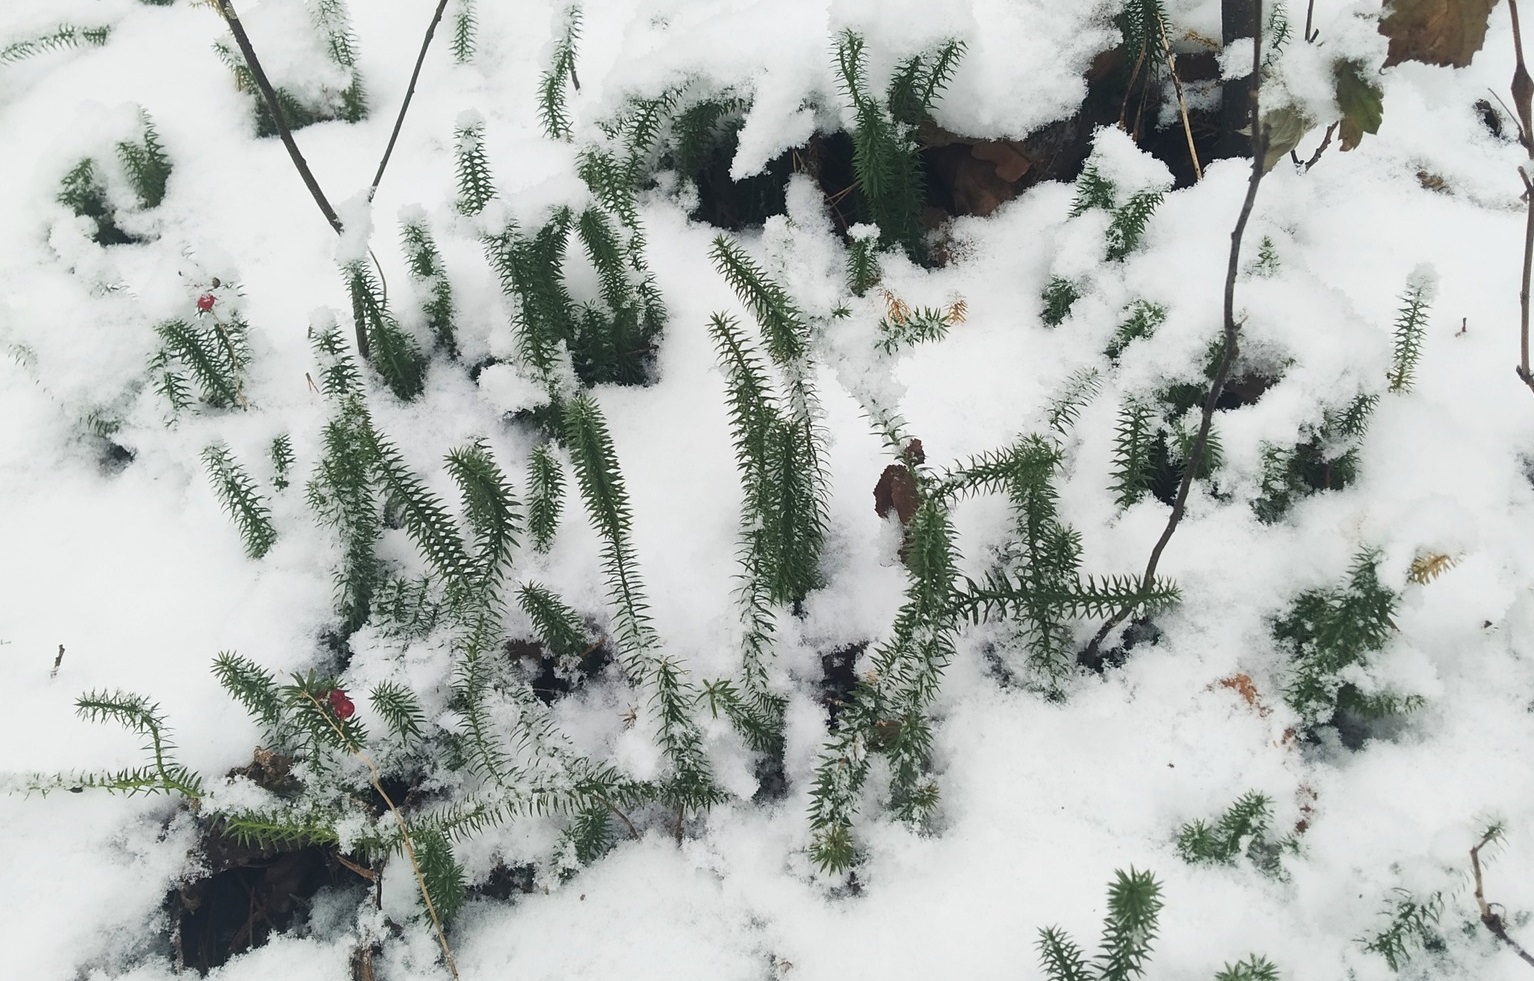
{"x": 1242, "y": 685}
{"x": 896, "y": 493}
{"x": 1436, "y": 32}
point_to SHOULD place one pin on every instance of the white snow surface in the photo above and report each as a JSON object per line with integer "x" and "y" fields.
{"x": 137, "y": 576}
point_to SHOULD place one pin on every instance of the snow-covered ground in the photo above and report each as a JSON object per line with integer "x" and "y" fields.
{"x": 136, "y": 574}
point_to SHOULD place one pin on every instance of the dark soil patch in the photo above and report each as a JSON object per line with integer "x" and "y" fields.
{"x": 250, "y": 894}
{"x": 551, "y": 677}
{"x": 506, "y": 882}
{"x": 838, "y": 678}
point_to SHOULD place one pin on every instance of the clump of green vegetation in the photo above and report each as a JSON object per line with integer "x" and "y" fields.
{"x": 331, "y": 22}
{"x": 885, "y": 142}
{"x": 145, "y": 169}
{"x": 1330, "y": 636}
{"x": 1241, "y": 831}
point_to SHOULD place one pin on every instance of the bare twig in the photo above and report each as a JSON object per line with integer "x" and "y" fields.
{"x": 1092, "y": 657}
{"x": 1326, "y": 141}
{"x": 404, "y": 828}
{"x": 633, "y": 831}
{"x": 1523, "y": 102}
{"x": 1490, "y": 918}
{"x": 269, "y": 95}
{"x": 56, "y": 662}
{"x": 1134, "y": 76}
{"x": 399, "y": 121}
{"x": 1523, "y": 85}
{"x": 1523, "y": 291}
{"x": 1310, "y": 14}
{"x": 1182, "y": 104}
{"x": 226, "y": 10}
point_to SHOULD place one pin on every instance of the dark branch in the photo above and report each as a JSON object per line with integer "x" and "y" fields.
{"x": 399, "y": 121}
{"x": 269, "y": 95}
{"x": 1092, "y": 656}
{"x": 226, "y": 10}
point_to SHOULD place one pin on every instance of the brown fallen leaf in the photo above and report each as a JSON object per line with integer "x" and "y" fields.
{"x": 896, "y": 493}
{"x": 1435, "y": 32}
{"x": 1242, "y": 685}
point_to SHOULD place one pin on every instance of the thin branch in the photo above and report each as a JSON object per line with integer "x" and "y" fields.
{"x": 226, "y": 10}
{"x": 1523, "y": 292}
{"x": 1523, "y": 85}
{"x": 1310, "y": 14}
{"x": 1092, "y": 656}
{"x": 1134, "y": 76}
{"x": 399, "y": 121}
{"x": 1492, "y": 920}
{"x": 1182, "y": 104}
{"x": 1326, "y": 141}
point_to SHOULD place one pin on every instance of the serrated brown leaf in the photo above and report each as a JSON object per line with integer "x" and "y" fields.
{"x": 1435, "y": 32}
{"x": 896, "y": 494}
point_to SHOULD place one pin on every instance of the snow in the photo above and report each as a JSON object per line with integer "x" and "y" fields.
{"x": 137, "y": 575}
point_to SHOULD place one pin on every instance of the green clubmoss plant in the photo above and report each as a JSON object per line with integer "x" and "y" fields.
{"x": 82, "y": 191}
{"x": 331, "y": 22}
{"x": 559, "y": 627}
{"x": 1080, "y": 388}
{"x": 1267, "y": 264}
{"x": 341, "y": 493}
{"x": 465, "y": 31}
{"x": 1129, "y": 216}
{"x": 1410, "y": 327}
{"x": 1129, "y": 929}
{"x": 551, "y": 86}
{"x": 887, "y": 715}
{"x": 671, "y": 696}
{"x": 863, "y": 270}
{"x": 1330, "y": 636}
{"x": 204, "y": 359}
{"x": 476, "y": 186}
{"x": 613, "y": 337}
{"x": 391, "y": 350}
{"x": 885, "y": 142}
{"x": 1241, "y": 831}
{"x": 1327, "y": 460}
{"x": 146, "y": 164}
{"x": 545, "y": 496}
{"x": 1133, "y": 442}
{"x": 63, "y": 36}
{"x": 1036, "y": 585}
{"x": 281, "y": 456}
{"x": 1412, "y": 927}
{"x": 904, "y": 326}
{"x": 236, "y": 490}
{"x": 780, "y": 456}
{"x": 1059, "y": 296}
{"x": 430, "y": 278}
{"x": 1141, "y": 321}
{"x": 1252, "y": 968}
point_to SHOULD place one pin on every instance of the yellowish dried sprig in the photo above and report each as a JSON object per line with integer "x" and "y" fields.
{"x": 1429, "y": 566}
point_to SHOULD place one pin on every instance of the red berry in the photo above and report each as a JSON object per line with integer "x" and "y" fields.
{"x": 205, "y": 302}
{"x": 340, "y": 704}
